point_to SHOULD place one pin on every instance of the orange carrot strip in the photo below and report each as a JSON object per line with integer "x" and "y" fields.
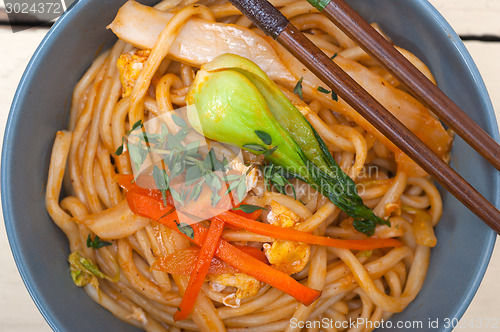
{"x": 152, "y": 208}
{"x": 253, "y": 215}
{"x": 126, "y": 181}
{"x": 299, "y": 236}
{"x": 200, "y": 271}
{"x": 238, "y": 221}
{"x": 182, "y": 261}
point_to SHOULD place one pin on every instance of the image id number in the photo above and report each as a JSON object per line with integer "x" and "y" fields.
{"x": 33, "y": 8}
{"x": 473, "y": 323}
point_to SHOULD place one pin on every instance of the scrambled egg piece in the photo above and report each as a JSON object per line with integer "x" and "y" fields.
{"x": 247, "y": 286}
{"x": 282, "y": 216}
{"x": 287, "y": 256}
{"x": 130, "y": 65}
{"x": 392, "y": 208}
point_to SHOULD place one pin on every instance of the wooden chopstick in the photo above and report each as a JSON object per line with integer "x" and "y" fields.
{"x": 273, "y": 23}
{"x": 353, "y": 25}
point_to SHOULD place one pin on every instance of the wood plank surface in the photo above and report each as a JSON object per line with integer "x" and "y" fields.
{"x": 471, "y": 17}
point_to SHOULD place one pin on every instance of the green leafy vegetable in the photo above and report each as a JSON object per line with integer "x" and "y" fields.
{"x": 84, "y": 271}
{"x": 96, "y": 243}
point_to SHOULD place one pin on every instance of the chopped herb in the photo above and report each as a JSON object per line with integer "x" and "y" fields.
{"x": 298, "y": 89}
{"x": 270, "y": 152}
{"x": 180, "y": 196}
{"x": 185, "y": 229}
{"x": 96, "y": 243}
{"x": 196, "y": 191}
{"x": 176, "y": 196}
{"x": 193, "y": 174}
{"x": 137, "y": 154}
{"x": 214, "y": 198}
{"x": 179, "y": 158}
{"x": 232, "y": 177}
{"x": 241, "y": 190}
{"x": 162, "y": 182}
{"x": 248, "y": 208}
{"x": 276, "y": 176}
{"x": 119, "y": 151}
{"x": 239, "y": 186}
{"x": 264, "y": 137}
{"x": 179, "y": 121}
{"x": 334, "y": 56}
{"x": 136, "y": 125}
{"x": 254, "y": 147}
{"x": 323, "y": 90}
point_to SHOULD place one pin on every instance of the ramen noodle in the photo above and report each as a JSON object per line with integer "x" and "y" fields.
{"x": 146, "y": 75}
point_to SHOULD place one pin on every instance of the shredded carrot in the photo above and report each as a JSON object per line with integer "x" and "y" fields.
{"x": 299, "y": 236}
{"x": 253, "y": 215}
{"x": 127, "y": 182}
{"x": 153, "y": 208}
{"x": 182, "y": 261}
{"x": 200, "y": 271}
{"x": 276, "y": 232}
{"x": 290, "y": 234}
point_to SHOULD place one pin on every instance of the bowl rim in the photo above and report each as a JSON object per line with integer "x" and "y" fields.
{"x": 58, "y": 27}
{"x": 7, "y": 150}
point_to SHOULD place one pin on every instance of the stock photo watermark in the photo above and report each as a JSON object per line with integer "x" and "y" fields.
{"x": 426, "y": 325}
{"x": 25, "y": 14}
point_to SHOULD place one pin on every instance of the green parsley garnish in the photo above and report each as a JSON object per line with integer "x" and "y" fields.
{"x": 323, "y": 90}
{"x": 248, "y": 208}
{"x": 185, "y": 229}
{"x": 264, "y": 137}
{"x": 96, "y": 243}
{"x": 298, "y": 89}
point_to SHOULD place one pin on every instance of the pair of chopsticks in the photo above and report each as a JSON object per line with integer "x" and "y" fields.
{"x": 273, "y": 23}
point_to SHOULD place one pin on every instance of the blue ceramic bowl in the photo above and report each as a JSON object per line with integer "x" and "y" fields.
{"x": 41, "y": 106}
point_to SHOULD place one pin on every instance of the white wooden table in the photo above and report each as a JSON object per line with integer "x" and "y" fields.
{"x": 477, "y": 17}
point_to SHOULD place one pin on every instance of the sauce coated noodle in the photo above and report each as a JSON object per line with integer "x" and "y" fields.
{"x": 155, "y": 69}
